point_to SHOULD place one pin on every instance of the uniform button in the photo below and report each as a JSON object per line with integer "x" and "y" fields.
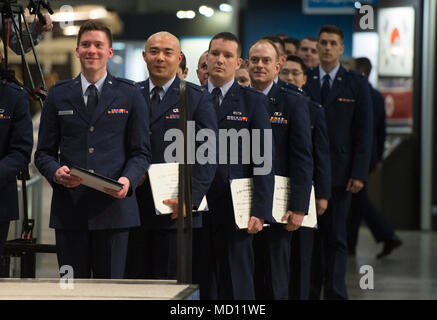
{"x": 91, "y": 150}
{"x": 91, "y": 129}
{"x": 91, "y": 170}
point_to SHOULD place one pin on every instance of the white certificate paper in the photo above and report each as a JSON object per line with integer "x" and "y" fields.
{"x": 242, "y": 194}
{"x": 281, "y": 198}
{"x": 164, "y": 182}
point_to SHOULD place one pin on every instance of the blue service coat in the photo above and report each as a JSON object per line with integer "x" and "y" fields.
{"x": 349, "y": 119}
{"x": 290, "y": 121}
{"x": 242, "y": 107}
{"x": 114, "y": 143}
{"x": 320, "y": 140}
{"x": 166, "y": 117}
{"x": 16, "y": 141}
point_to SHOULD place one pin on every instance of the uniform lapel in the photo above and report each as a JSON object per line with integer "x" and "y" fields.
{"x": 274, "y": 98}
{"x": 170, "y": 99}
{"x": 230, "y": 101}
{"x": 314, "y": 86}
{"x": 76, "y": 99}
{"x": 106, "y": 97}
{"x": 336, "y": 86}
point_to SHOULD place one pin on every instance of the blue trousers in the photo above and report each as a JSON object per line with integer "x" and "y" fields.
{"x": 227, "y": 264}
{"x": 272, "y": 262}
{"x": 98, "y": 254}
{"x": 328, "y": 267}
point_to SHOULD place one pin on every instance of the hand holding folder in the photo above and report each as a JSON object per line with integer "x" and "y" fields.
{"x": 117, "y": 189}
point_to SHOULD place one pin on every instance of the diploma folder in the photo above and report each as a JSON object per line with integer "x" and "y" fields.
{"x": 242, "y": 192}
{"x": 164, "y": 182}
{"x": 95, "y": 180}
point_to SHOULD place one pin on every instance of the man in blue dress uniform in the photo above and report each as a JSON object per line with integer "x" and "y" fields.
{"x": 153, "y": 246}
{"x": 290, "y": 120}
{"x": 346, "y": 99}
{"x": 16, "y": 140}
{"x": 99, "y": 123}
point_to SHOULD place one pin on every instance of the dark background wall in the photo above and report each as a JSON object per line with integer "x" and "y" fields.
{"x": 261, "y": 18}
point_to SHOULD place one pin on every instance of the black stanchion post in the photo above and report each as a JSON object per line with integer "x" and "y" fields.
{"x": 184, "y": 267}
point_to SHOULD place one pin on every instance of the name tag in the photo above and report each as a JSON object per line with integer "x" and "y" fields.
{"x": 65, "y": 112}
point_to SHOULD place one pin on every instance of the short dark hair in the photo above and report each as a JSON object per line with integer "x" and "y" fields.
{"x": 183, "y": 63}
{"x": 281, "y": 36}
{"x": 228, "y": 36}
{"x": 265, "y": 41}
{"x": 312, "y": 39}
{"x": 92, "y": 25}
{"x": 299, "y": 61}
{"x": 293, "y": 41}
{"x": 363, "y": 65}
{"x": 331, "y": 29}
{"x": 275, "y": 39}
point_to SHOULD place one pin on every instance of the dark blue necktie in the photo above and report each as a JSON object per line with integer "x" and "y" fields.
{"x": 156, "y": 99}
{"x": 92, "y": 101}
{"x": 325, "y": 89}
{"x": 216, "y": 97}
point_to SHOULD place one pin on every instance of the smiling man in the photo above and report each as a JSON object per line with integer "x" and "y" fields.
{"x": 96, "y": 122}
{"x": 290, "y": 120}
{"x": 152, "y": 248}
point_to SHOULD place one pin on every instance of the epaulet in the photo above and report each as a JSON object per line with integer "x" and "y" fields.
{"x": 354, "y": 73}
{"x": 250, "y": 89}
{"x": 292, "y": 88}
{"x": 62, "y": 82}
{"x": 315, "y": 104}
{"x": 14, "y": 86}
{"x": 131, "y": 82}
{"x": 195, "y": 86}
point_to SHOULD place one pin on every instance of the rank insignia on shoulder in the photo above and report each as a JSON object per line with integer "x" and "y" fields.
{"x": 118, "y": 111}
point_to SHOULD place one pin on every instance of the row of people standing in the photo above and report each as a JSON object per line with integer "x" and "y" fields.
{"x": 116, "y": 128}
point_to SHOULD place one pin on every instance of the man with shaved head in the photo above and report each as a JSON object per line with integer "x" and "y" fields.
{"x": 152, "y": 247}
{"x": 290, "y": 121}
{"x": 202, "y": 69}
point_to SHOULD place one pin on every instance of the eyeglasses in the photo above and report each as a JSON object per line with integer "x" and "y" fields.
{"x": 294, "y": 73}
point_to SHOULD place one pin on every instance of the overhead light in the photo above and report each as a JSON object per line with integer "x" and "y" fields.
{"x": 70, "y": 30}
{"x": 98, "y": 13}
{"x": 224, "y": 7}
{"x": 206, "y": 11}
{"x": 185, "y": 14}
{"x": 80, "y": 13}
